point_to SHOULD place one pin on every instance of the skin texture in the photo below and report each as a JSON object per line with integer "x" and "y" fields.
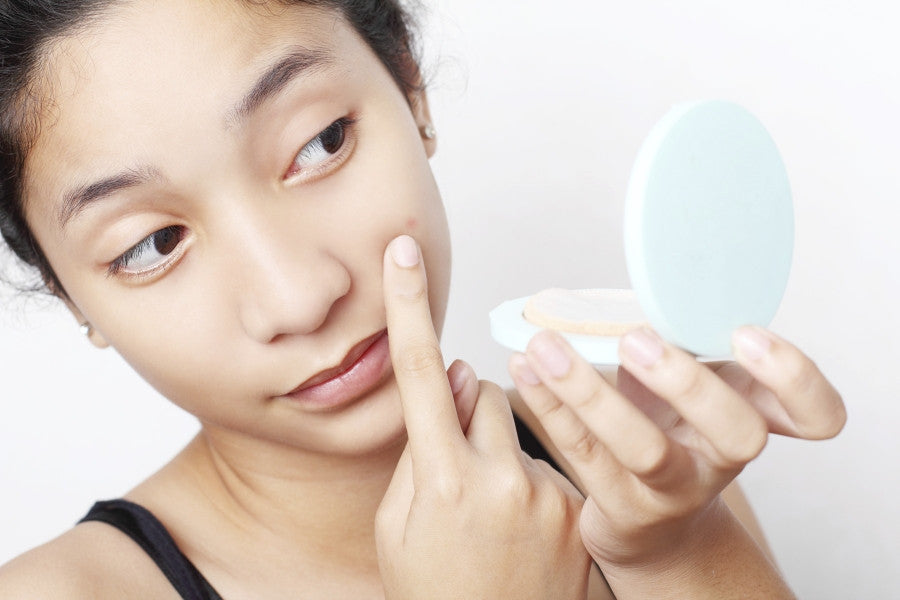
{"x": 277, "y": 275}
{"x": 654, "y": 451}
{"x": 278, "y": 279}
{"x": 466, "y": 478}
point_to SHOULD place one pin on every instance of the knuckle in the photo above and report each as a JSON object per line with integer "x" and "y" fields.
{"x": 512, "y": 483}
{"x": 556, "y": 505}
{"x": 420, "y": 356}
{"x": 594, "y": 527}
{"x": 689, "y": 383}
{"x": 413, "y": 291}
{"x": 388, "y": 524}
{"x": 382, "y": 521}
{"x": 806, "y": 382}
{"x": 549, "y": 409}
{"x": 588, "y": 397}
{"x": 584, "y": 446}
{"x": 748, "y": 445}
{"x": 691, "y": 502}
{"x": 827, "y": 423}
{"x": 447, "y": 489}
{"x": 652, "y": 460}
{"x": 835, "y": 420}
{"x": 804, "y": 377}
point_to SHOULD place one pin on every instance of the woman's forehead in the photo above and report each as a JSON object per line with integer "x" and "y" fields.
{"x": 156, "y": 45}
{"x": 170, "y": 66}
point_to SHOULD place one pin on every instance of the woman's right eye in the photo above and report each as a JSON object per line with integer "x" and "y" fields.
{"x": 151, "y": 253}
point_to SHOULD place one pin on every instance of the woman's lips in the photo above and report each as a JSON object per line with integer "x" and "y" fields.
{"x": 364, "y": 367}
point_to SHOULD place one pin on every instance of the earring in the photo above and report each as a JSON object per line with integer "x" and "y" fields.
{"x": 86, "y": 329}
{"x": 428, "y": 131}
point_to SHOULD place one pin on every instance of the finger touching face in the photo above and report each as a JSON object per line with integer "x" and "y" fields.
{"x": 431, "y": 418}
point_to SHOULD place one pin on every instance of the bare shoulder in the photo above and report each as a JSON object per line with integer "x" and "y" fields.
{"x": 92, "y": 560}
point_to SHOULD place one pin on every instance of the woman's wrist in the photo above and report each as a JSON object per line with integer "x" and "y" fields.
{"x": 716, "y": 559}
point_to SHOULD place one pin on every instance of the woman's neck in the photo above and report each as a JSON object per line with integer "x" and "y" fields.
{"x": 230, "y": 490}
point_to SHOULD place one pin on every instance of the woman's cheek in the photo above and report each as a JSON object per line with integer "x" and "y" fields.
{"x": 180, "y": 347}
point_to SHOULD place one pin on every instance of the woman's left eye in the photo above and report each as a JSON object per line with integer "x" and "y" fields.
{"x": 320, "y": 149}
{"x": 151, "y": 253}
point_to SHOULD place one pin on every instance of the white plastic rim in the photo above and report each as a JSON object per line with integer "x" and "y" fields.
{"x": 511, "y": 330}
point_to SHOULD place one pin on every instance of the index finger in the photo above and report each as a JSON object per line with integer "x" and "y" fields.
{"x": 428, "y": 409}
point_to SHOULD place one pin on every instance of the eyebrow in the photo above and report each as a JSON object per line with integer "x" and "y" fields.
{"x": 78, "y": 199}
{"x": 299, "y": 61}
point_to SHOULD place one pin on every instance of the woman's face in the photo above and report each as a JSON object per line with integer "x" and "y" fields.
{"x": 214, "y": 185}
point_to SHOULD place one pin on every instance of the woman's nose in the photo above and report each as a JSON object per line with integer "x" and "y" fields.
{"x": 284, "y": 284}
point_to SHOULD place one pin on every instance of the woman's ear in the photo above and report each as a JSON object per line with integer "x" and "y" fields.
{"x": 89, "y": 331}
{"x": 419, "y": 102}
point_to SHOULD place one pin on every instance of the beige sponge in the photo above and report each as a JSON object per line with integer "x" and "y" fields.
{"x": 588, "y": 312}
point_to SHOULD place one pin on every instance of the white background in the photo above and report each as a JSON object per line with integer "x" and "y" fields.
{"x": 541, "y": 107}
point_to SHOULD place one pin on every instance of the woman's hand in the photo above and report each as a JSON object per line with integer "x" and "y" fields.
{"x": 654, "y": 454}
{"x": 467, "y": 514}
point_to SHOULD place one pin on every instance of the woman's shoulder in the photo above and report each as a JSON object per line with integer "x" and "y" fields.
{"x": 91, "y": 560}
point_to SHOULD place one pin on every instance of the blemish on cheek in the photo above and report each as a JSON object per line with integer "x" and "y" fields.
{"x": 412, "y": 223}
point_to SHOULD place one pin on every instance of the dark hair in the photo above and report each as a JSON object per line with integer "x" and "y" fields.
{"x": 28, "y": 26}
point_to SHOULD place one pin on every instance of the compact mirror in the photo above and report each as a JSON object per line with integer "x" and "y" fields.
{"x": 709, "y": 234}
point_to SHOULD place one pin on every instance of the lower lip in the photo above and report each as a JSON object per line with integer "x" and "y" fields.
{"x": 365, "y": 374}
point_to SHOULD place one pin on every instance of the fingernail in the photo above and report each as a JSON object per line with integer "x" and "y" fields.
{"x": 522, "y": 371}
{"x": 460, "y": 377}
{"x": 642, "y": 346}
{"x": 405, "y": 252}
{"x": 751, "y": 343}
{"x": 551, "y": 356}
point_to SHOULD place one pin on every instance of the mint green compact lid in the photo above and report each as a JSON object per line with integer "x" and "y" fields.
{"x": 709, "y": 226}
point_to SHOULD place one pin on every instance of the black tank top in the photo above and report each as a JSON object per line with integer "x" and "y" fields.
{"x": 141, "y": 526}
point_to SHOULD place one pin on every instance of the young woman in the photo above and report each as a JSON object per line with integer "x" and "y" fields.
{"x": 236, "y": 196}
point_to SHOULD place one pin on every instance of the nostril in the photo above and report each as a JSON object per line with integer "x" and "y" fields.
{"x": 282, "y": 306}
{"x": 285, "y": 332}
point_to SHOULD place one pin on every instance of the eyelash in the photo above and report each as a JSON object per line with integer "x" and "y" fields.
{"x": 347, "y": 142}
{"x": 119, "y": 266}
{"x": 344, "y": 125}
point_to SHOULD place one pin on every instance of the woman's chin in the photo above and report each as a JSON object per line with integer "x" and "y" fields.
{"x": 377, "y": 424}
{"x": 370, "y": 427}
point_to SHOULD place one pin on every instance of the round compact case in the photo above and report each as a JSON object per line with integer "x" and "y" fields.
{"x": 709, "y": 234}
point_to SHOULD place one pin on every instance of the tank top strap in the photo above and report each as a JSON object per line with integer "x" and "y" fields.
{"x": 140, "y": 525}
